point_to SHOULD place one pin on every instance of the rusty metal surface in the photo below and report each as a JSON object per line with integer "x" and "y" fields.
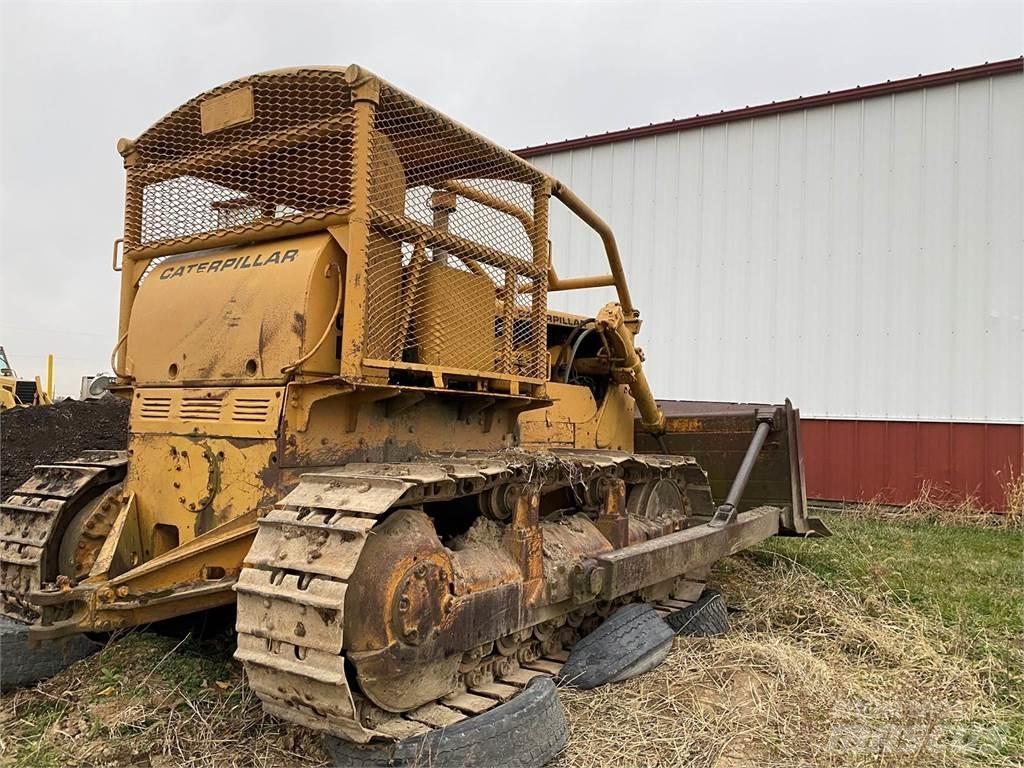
{"x": 86, "y": 532}
{"x": 717, "y": 436}
{"x": 423, "y": 622}
{"x": 290, "y": 635}
{"x": 34, "y": 518}
{"x": 849, "y": 460}
{"x": 121, "y": 592}
{"x": 633, "y": 567}
{"x": 188, "y": 485}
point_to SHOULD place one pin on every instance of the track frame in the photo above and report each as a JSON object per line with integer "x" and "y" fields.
{"x": 361, "y": 677}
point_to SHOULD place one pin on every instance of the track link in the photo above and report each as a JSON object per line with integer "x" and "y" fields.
{"x": 33, "y": 518}
{"x": 291, "y": 595}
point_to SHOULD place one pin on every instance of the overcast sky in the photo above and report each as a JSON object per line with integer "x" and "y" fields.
{"x": 77, "y": 76}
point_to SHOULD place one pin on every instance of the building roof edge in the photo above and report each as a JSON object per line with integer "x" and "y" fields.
{"x": 988, "y": 69}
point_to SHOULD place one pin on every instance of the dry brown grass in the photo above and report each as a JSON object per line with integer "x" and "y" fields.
{"x": 809, "y": 676}
{"x": 944, "y": 508}
{"x": 149, "y": 701}
{"x": 1013, "y": 488}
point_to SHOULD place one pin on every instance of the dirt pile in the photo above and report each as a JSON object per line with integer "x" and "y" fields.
{"x": 47, "y": 433}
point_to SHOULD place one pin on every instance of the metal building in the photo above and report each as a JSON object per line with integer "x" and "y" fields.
{"x": 860, "y": 251}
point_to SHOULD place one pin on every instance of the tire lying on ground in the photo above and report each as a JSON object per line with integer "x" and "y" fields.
{"x": 527, "y": 731}
{"x": 633, "y": 640}
{"x": 22, "y": 665}
{"x": 705, "y": 618}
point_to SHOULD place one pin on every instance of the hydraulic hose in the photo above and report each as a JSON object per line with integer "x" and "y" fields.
{"x": 330, "y": 323}
{"x": 573, "y": 350}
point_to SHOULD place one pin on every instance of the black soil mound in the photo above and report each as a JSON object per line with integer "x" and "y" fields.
{"x": 44, "y": 434}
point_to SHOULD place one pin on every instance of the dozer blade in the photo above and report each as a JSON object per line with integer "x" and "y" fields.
{"x": 718, "y": 435}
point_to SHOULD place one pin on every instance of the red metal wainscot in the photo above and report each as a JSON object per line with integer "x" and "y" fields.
{"x": 889, "y": 461}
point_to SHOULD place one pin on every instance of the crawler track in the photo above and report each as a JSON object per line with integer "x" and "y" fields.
{"x": 291, "y": 595}
{"x": 34, "y": 518}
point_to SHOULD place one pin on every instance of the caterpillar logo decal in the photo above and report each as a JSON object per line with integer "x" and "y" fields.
{"x": 223, "y": 265}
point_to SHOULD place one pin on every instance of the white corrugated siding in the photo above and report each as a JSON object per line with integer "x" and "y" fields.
{"x": 865, "y": 259}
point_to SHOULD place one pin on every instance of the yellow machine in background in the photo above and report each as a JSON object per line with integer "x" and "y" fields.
{"x": 15, "y": 392}
{"x": 353, "y": 413}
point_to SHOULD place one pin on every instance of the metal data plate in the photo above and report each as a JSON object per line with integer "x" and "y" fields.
{"x": 228, "y": 109}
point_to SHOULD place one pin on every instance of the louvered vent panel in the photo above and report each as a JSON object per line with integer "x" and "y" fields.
{"x": 251, "y": 409}
{"x": 199, "y": 409}
{"x": 155, "y": 407}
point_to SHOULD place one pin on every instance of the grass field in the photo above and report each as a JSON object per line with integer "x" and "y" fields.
{"x": 889, "y": 644}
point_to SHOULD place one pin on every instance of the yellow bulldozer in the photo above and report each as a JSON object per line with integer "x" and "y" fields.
{"x": 17, "y": 392}
{"x": 354, "y": 416}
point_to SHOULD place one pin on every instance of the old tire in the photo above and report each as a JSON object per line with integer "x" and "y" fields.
{"x": 527, "y": 731}
{"x": 705, "y": 618}
{"x": 22, "y": 665}
{"x": 632, "y": 641}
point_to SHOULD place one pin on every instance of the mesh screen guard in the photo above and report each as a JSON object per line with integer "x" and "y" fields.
{"x": 456, "y": 256}
{"x": 453, "y": 277}
{"x": 291, "y": 162}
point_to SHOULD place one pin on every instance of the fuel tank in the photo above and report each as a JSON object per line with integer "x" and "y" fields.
{"x": 237, "y": 315}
